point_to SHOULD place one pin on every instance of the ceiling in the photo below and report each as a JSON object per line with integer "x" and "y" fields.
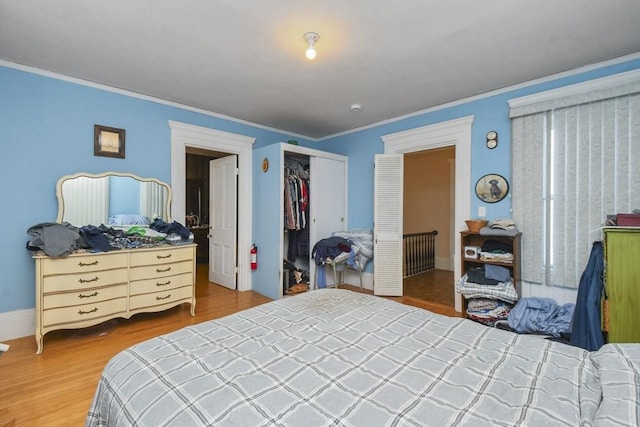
{"x": 245, "y": 59}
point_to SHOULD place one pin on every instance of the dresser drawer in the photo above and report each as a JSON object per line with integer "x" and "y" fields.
{"x": 159, "y": 298}
{"x": 111, "y": 308}
{"x": 70, "y": 282}
{"x": 160, "y": 270}
{"x": 161, "y": 284}
{"x": 83, "y": 263}
{"x": 83, "y": 297}
{"x": 161, "y": 256}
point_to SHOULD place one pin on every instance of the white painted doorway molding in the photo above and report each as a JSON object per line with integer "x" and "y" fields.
{"x": 450, "y": 133}
{"x": 184, "y": 135}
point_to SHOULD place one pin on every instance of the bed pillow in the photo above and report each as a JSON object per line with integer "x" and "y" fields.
{"x": 128, "y": 219}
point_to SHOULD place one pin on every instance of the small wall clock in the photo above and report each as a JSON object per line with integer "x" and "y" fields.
{"x": 492, "y": 139}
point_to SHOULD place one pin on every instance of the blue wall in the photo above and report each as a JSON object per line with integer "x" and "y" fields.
{"x": 46, "y": 131}
{"x": 490, "y": 113}
{"x": 127, "y": 196}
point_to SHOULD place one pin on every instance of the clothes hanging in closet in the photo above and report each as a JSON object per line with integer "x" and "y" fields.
{"x": 296, "y": 212}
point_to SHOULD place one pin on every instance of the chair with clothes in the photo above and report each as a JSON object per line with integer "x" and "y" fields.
{"x": 344, "y": 250}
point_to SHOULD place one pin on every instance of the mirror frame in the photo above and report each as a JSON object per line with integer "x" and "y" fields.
{"x": 107, "y": 174}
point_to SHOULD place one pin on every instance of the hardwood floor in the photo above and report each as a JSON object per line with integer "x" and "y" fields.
{"x": 56, "y": 387}
{"x": 436, "y": 286}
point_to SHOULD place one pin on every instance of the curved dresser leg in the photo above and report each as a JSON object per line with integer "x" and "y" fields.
{"x": 39, "y": 339}
{"x": 193, "y": 307}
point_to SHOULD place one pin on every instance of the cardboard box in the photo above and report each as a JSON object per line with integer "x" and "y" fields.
{"x": 632, "y": 220}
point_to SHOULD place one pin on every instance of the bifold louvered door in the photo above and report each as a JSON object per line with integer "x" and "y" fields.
{"x": 388, "y": 198}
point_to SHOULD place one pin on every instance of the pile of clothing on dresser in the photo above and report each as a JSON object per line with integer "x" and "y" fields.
{"x": 61, "y": 239}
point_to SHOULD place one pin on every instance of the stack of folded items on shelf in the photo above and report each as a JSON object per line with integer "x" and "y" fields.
{"x": 497, "y": 251}
{"x": 488, "y": 311}
{"x": 500, "y": 227}
{"x": 490, "y": 293}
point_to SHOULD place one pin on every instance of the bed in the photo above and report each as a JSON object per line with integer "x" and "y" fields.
{"x": 343, "y": 358}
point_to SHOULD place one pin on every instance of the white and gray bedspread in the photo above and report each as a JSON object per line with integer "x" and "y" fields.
{"x": 342, "y": 358}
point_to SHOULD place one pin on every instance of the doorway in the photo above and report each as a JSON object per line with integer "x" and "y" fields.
{"x": 455, "y": 133}
{"x": 197, "y": 198}
{"x": 429, "y": 205}
{"x": 185, "y": 136}
{"x": 203, "y": 189}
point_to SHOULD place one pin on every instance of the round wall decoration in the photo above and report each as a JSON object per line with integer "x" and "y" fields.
{"x": 492, "y": 188}
{"x": 265, "y": 165}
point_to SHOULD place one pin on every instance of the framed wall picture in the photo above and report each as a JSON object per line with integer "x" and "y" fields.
{"x": 492, "y": 188}
{"x": 108, "y": 141}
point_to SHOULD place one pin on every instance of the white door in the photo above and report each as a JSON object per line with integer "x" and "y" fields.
{"x": 387, "y": 224}
{"x": 328, "y": 202}
{"x": 223, "y": 210}
{"x": 328, "y": 199}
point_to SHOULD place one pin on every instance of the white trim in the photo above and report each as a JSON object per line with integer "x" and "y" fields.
{"x": 185, "y": 135}
{"x": 17, "y": 324}
{"x": 311, "y": 152}
{"x": 577, "y": 89}
{"x": 453, "y": 132}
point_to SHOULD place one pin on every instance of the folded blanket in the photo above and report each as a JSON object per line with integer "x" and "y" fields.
{"x": 504, "y": 291}
{"x": 488, "y": 231}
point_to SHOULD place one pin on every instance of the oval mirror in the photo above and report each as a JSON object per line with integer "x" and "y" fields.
{"x": 112, "y": 198}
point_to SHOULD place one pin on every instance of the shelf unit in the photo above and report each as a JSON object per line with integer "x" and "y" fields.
{"x": 468, "y": 238}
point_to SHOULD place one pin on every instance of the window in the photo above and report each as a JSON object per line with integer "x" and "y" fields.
{"x": 576, "y": 159}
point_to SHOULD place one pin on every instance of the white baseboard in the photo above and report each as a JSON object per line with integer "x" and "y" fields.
{"x": 443, "y": 263}
{"x": 367, "y": 279}
{"x": 17, "y": 324}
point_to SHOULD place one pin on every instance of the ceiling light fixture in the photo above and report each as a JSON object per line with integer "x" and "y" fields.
{"x": 311, "y": 39}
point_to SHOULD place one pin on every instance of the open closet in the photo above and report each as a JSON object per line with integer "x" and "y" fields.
{"x": 302, "y": 198}
{"x": 296, "y": 242}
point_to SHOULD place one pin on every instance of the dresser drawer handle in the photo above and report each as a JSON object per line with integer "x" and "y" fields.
{"x": 87, "y": 264}
{"x": 168, "y": 282}
{"x": 161, "y": 298}
{"x": 95, "y": 279}
{"x": 95, "y": 294}
{"x": 163, "y": 256}
{"x": 95, "y": 309}
{"x": 160, "y": 270}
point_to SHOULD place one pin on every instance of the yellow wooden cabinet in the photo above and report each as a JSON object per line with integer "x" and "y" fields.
{"x": 622, "y": 283}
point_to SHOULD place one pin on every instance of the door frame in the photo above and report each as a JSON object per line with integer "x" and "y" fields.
{"x": 456, "y": 133}
{"x": 185, "y": 135}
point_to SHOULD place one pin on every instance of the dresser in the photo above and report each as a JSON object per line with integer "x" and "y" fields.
{"x": 85, "y": 289}
{"x": 622, "y": 283}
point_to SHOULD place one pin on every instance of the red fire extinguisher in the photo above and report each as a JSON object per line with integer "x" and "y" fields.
{"x": 254, "y": 257}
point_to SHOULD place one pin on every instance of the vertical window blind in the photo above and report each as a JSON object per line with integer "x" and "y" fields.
{"x": 575, "y": 160}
